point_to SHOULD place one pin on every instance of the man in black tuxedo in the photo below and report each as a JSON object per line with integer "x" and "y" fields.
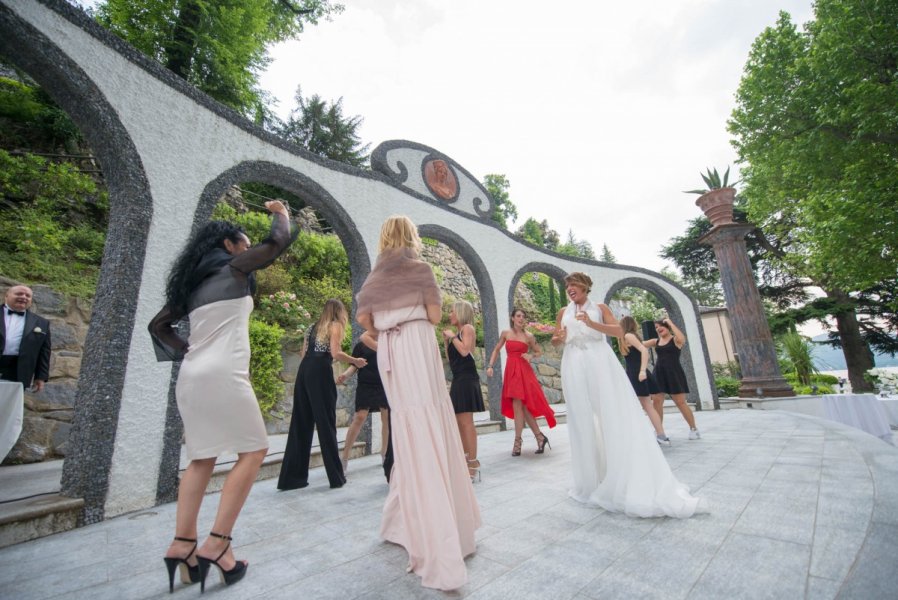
{"x": 24, "y": 340}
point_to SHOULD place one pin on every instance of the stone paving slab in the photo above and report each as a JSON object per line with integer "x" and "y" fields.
{"x": 801, "y": 508}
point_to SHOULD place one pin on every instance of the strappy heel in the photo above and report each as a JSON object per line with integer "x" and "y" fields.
{"x": 474, "y": 470}
{"x": 516, "y": 449}
{"x": 542, "y": 443}
{"x": 228, "y": 577}
{"x": 189, "y": 573}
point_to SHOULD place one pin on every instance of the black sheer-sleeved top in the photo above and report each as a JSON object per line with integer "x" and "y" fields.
{"x": 220, "y": 276}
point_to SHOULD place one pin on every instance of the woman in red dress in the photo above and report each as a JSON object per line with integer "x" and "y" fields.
{"x": 522, "y": 395}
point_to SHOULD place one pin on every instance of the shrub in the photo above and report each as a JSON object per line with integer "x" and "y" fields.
{"x": 727, "y": 387}
{"x": 52, "y": 229}
{"x": 266, "y": 364}
{"x": 284, "y": 310}
{"x": 728, "y": 369}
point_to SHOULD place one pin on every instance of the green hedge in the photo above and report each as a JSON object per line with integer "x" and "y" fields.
{"x": 266, "y": 364}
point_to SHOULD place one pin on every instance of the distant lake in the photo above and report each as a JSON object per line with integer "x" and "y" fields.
{"x": 827, "y": 358}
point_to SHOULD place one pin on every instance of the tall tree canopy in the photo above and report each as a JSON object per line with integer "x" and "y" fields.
{"x": 575, "y": 247}
{"x": 816, "y": 130}
{"x": 220, "y": 46}
{"x": 503, "y": 208}
{"x": 322, "y": 129}
{"x": 539, "y": 233}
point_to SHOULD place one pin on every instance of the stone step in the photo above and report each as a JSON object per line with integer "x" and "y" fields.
{"x": 37, "y": 516}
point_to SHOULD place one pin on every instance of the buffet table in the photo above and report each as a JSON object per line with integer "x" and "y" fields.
{"x": 861, "y": 411}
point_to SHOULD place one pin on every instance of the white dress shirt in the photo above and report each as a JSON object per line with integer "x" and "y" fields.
{"x": 15, "y": 327}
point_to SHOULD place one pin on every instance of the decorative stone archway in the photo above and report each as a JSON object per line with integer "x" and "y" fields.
{"x": 168, "y": 152}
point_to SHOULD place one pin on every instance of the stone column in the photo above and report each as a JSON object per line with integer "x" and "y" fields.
{"x": 757, "y": 356}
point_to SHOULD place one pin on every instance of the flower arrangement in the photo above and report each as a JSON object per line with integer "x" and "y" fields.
{"x": 536, "y": 327}
{"x": 283, "y": 309}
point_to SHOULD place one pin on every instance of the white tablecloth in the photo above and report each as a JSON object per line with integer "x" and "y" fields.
{"x": 862, "y": 411}
{"x": 12, "y": 407}
{"x": 890, "y": 404}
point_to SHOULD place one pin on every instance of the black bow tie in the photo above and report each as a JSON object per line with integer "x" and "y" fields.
{"x": 15, "y": 312}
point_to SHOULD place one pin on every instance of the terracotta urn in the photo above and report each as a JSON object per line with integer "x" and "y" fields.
{"x": 718, "y": 205}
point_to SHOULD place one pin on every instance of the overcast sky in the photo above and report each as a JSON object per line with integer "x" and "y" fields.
{"x": 599, "y": 113}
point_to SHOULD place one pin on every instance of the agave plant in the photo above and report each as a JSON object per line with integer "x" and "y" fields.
{"x": 713, "y": 181}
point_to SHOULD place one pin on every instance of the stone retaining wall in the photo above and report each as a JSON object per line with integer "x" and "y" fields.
{"x": 48, "y": 415}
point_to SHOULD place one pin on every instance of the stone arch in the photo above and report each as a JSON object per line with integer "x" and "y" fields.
{"x": 98, "y": 399}
{"x": 318, "y": 198}
{"x": 487, "y": 300}
{"x": 676, "y": 313}
{"x": 303, "y": 186}
{"x": 553, "y": 271}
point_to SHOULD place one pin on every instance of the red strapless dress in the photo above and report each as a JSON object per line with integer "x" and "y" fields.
{"x": 520, "y": 383}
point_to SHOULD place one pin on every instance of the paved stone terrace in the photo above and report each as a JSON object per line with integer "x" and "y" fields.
{"x": 801, "y": 508}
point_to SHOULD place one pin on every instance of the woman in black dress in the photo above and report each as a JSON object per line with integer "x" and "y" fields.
{"x": 669, "y": 373}
{"x": 369, "y": 395}
{"x": 465, "y": 390}
{"x": 315, "y": 401}
{"x": 637, "y": 371}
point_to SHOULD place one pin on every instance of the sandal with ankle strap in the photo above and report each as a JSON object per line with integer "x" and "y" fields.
{"x": 474, "y": 469}
{"x": 516, "y": 449}
{"x": 189, "y": 573}
{"x": 542, "y": 443}
{"x": 229, "y": 577}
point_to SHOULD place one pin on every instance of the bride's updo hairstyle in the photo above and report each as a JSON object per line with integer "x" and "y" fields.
{"x": 581, "y": 279}
{"x": 398, "y": 231}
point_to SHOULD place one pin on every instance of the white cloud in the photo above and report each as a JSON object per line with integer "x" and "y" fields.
{"x": 599, "y": 113}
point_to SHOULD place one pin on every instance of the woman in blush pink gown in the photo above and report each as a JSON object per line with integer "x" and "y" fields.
{"x": 430, "y": 509}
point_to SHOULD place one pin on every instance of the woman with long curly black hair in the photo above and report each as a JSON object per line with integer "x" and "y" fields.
{"x": 212, "y": 283}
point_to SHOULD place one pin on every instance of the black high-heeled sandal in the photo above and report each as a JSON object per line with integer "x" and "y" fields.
{"x": 228, "y": 577}
{"x": 189, "y": 573}
{"x": 541, "y": 444}
{"x": 516, "y": 448}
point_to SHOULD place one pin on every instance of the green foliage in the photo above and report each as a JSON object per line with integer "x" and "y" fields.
{"x": 642, "y": 304}
{"x": 323, "y": 130}
{"x": 318, "y": 256}
{"x": 313, "y": 293}
{"x": 52, "y": 224}
{"x": 727, "y": 387}
{"x": 284, "y": 310}
{"x": 816, "y": 130}
{"x": 542, "y": 288}
{"x": 539, "y": 234}
{"x": 503, "y": 208}
{"x": 30, "y": 119}
{"x": 575, "y": 247}
{"x": 728, "y": 369}
{"x": 714, "y": 181}
{"x": 219, "y": 46}
{"x": 798, "y": 353}
{"x": 607, "y": 256}
{"x": 266, "y": 364}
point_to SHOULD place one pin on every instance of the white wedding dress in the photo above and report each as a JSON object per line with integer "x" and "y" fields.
{"x": 616, "y": 461}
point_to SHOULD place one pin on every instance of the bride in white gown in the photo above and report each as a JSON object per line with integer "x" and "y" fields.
{"x": 616, "y": 461}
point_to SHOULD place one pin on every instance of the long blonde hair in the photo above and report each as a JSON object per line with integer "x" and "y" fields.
{"x": 628, "y": 325}
{"x": 333, "y": 314}
{"x": 398, "y": 231}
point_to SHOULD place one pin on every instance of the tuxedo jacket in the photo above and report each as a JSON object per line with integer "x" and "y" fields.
{"x": 34, "y": 352}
